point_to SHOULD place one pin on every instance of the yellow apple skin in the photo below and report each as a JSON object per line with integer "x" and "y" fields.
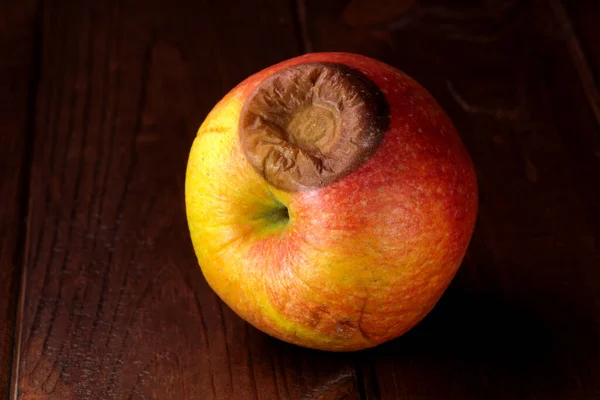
{"x": 360, "y": 261}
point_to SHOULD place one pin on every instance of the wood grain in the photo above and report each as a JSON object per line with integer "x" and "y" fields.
{"x": 520, "y": 319}
{"x": 17, "y": 91}
{"x": 115, "y": 306}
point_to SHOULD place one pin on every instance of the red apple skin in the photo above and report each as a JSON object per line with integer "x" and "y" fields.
{"x": 366, "y": 258}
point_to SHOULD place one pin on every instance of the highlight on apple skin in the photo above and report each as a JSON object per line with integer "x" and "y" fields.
{"x": 330, "y": 201}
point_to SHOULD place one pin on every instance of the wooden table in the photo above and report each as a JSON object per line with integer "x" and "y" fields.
{"x": 100, "y": 293}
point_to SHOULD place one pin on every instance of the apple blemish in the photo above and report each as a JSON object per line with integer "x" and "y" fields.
{"x": 309, "y": 125}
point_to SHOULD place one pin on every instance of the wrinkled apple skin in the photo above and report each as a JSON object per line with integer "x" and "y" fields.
{"x": 360, "y": 261}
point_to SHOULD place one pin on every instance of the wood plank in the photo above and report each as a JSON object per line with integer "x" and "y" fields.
{"x": 520, "y": 319}
{"x": 17, "y": 88}
{"x": 115, "y": 305}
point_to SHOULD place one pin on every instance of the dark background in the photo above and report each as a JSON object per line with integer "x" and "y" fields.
{"x": 100, "y": 293}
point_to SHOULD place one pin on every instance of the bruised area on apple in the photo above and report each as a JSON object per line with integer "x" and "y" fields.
{"x": 311, "y": 124}
{"x": 353, "y": 263}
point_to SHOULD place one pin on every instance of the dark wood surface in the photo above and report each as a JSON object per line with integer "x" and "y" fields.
{"x": 17, "y": 92}
{"x": 100, "y": 290}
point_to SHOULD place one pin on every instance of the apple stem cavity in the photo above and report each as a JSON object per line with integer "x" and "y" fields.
{"x": 311, "y": 124}
{"x": 278, "y": 215}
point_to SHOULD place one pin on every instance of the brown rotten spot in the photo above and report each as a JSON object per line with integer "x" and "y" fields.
{"x": 311, "y": 124}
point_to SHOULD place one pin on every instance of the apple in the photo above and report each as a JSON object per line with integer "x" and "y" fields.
{"x": 330, "y": 201}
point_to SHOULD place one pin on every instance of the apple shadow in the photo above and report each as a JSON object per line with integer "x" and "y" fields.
{"x": 471, "y": 328}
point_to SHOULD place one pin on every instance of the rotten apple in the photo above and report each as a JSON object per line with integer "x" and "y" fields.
{"x": 330, "y": 201}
